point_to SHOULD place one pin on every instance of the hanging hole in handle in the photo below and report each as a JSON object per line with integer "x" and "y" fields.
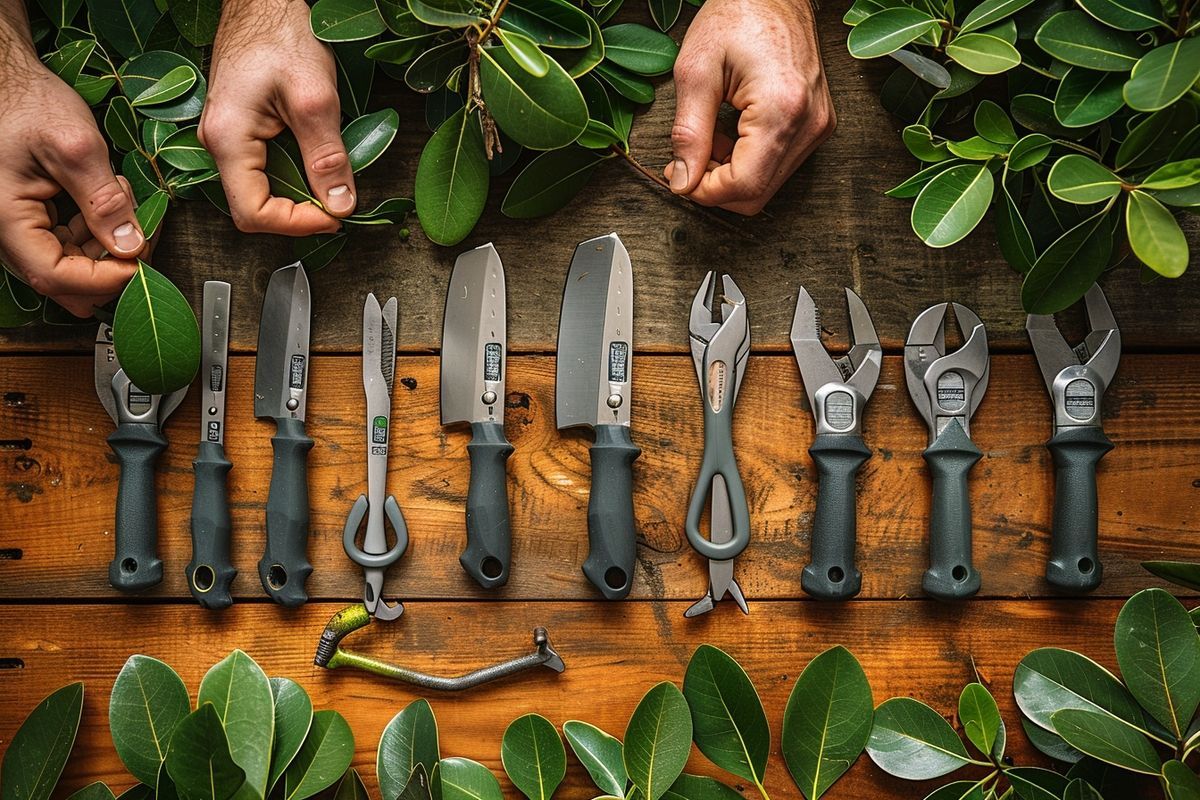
{"x": 277, "y": 576}
{"x": 615, "y": 577}
{"x": 491, "y": 568}
{"x": 203, "y": 578}
{"x": 129, "y": 566}
{"x": 1086, "y": 566}
{"x": 836, "y": 575}
{"x": 959, "y": 573}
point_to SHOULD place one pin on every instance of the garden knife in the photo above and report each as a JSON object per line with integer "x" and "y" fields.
{"x": 474, "y": 338}
{"x": 137, "y": 443}
{"x": 210, "y": 571}
{"x": 595, "y": 357}
{"x": 280, "y": 386}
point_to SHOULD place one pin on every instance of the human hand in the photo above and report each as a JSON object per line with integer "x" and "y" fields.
{"x": 762, "y": 57}
{"x": 269, "y": 72}
{"x": 49, "y": 143}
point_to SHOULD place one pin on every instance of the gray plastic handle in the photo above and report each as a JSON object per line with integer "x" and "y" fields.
{"x": 210, "y": 571}
{"x": 489, "y": 539}
{"x": 612, "y": 532}
{"x": 135, "y": 565}
{"x": 719, "y": 459}
{"x": 1074, "y": 561}
{"x": 284, "y": 566}
{"x": 832, "y": 574}
{"x": 951, "y": 575}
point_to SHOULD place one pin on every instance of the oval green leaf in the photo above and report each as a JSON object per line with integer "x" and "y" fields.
{"x": 240, "y": 693}
{"x": 538, "y": 113}
{"x": 525, "y": 52}
{"x": 912, "y": 186}
{"x": 658, "y": 740}
{"x": 293, "y": 713}
{"x": 464, "y": 779}
{"x": 345, "y": 20}
{"x": 1049, "y": 679}
{"x": 952, "y": 204}
{"x": 533, "y": 756}
{"x": 1075, "y": 178}
{"x": 148, "y": 700}
{"x": 410, "y": 738}
{"x": 1125, "y": 15}
{"x": 452, "y": 179}
{"x": 37, "y": 753}
{"x": 1029, "y": 151}
{"x": 989, "y": 12}
{"x": 993, "y": 124}
{"x": 1156, "y": 642}
{"x": 1032, "y": 783}
{"x": 1177, "y": 175}
{"x": 1050, "y": 743}
{"x": 198, "y": 758}
{"x": 171, "y": 86}
{"x": 446, "y": 13}
{"x": 980, "y": 718}
{"x": 550, "y": 181}
{"x": 550, "y": 23}
{"x": 182, "y": 149}
{"x": 1085, "y": 97}
{"x": 368, "y": 136}
{"x": 124, "y": 25}
{"x": 142, "y": 72}
{"x": 639, "y": 49}
{"x": 1164, "y": 75}
{"x": 351, "y": 787}
{"x": 1154, "y": 138}
{"x": 1179, "y": 781}
{"x": 983, "y": 53}
{"x": 93, "y": 791}
{"x": 1068, "y": 267}
{"x": 888, "y": 30}
{"x": 1159, "y": 243}
{"x": 694, "y": 787}
{"x": 1075, "y": 38}
{"x": 430, "y": 70}
{"x": 155, "y": 333}
{"x": 1183, "y": 573}
{"x": 323, "y": 758}
{"x": 728, "y": 722}
{"x": 1107, "y": 739}
{"x": 626, "y": 83}
{"x": 601, "y": 755}
{"x": 912, "y": 741}
{"x": 120, "y": 123}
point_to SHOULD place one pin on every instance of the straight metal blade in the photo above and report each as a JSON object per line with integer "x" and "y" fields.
{"x": 281, "y": 368}
{"x": 595, "y": 336}
{"x": 214, "y": 358}
{"x": 106, "y": 366}
{"x": 474, "y": 339}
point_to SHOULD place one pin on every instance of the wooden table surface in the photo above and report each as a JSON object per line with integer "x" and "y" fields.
{"x": 830, "y": 227}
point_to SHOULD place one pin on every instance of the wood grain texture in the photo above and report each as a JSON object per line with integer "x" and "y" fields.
{"x": 58, "y": 481}
{"x": 920, "y": 648}
{"x": 829, "y": 227}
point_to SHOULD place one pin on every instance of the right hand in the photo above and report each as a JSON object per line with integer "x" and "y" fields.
{"x": 269, "y": 72}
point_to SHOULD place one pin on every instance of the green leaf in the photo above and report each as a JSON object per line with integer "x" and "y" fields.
{"x": 401, "y": 51}
{"x": 827, "y": 721}
{"x": 538, "y": 113}
{"x": 861, "y": 9}
{"x": 323, "y": 758}
{"x": 912, "y": 741}
{"x": 977, "y": 148}
{"x": 284, "y": 175}
{"x": 694, "y": 787}
{"x": 639, "y": 49}
{"x": 525, "y": 52}
{"x": 452, "y": 179}
{"x": 368, "y": 136}
{"x": 1125, "y": 15}
{"x": 1156, "y": 238}
{"x": 924, "y": 68}
{"x": 1152, "y": 140}
{"x": 1012, "y": 234}
{"x": 345, "y": 20}
{"x": 351, "y": 787}
{"x": 1075, "y": 38}
{"x": 60, "y": 12}
{"x": 625, "y": 83}
{"x": 1180, "y": 782}
{"x": 410, "y": 738}
{"x": 550, "y": 23}
{"x": 533, "y": 756}
{"x": 1085, "y": 97}
{"x": 155, "y": 133}
{"x": 1164, "y": 75}
{"x": 1111, "y": 781}
{"x": 198, "y": 758}
{"x": 888, "y": 30}
{"x": 920, "y": 142}
{"x": 182, "y": 149}
{"x": 989, "y": 12}
{"x": 124, "y": 25}
{"x": 728, "y": 722}
{"x": 1032, "y": 783}
{"x": 446, "y": 13}
{"x": 913, "y": 185}
{"x": 1036, "y": 113}
{"x": 1050, "y": 743}
{"x": 1029, "y": 151}
{"x": 980, "y": 718}
{"x": 658, "y": 740}
{"x": 1107, "y": 739}
{"x": 983, "y": 53}
{"x": 1069, "y": 265}
{"x": 1156, "y": 643}
{"x": 1078, "y": 179}
{"x": 464, "y": 779}
{"x": 151, "y": 211}
{"x": 952, "y": 204}
{"x": 432, "y": 68}
{"x": 1049, "y": 679}
{"x": 959, "y": 790}
{"x": 120, "y": 123}
{"x": 68, "y": 61}
{"x": 155, "y": 334}
{"x": 665, "y": 13}
{"x": 93, "y": 791}
{"x": 355, "y": 77}
{"x": 38, "y": 751}
{"x": 196, "y": 20}
{"x": 392, "y": 211}
{"x": 93, "y": 89}
{"x": 317, "y": 251}
{"x": 293, "y": 712}
{"x": 1177, "y": 175}
{"x": 169, "y": 87}
{"x": 137, "y": 170}
{"x": 550, "y": 181}
{"x": 141, "y": 73}
{"x": 581, "y": 61}
{"x": 601, "y": 755}
{"x": 241, "y": 695}
{"x": 993, "y": 124}
{"x": 1183, "y": 573}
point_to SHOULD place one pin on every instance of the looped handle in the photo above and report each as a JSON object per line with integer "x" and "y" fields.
{"x": 372, "y": 560}
{"x": 719, "y": 460}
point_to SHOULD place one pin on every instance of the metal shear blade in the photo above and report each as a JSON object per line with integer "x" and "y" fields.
{"x": 858, "y": 368}
{"x": 1100, "y": 349}
{"x": 926, "y": 360}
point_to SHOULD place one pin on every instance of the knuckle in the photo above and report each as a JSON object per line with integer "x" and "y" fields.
{"x": 792, "y": 107}
{"x": 683, "y": 134}
{"x": 329, "y": 157}
{"x": 313, "y": 100}
{"x": 108, "y": 200}
{"x": 75, "y": 146}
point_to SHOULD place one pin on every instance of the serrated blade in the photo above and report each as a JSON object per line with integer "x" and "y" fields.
{"x": 474, "y": 339}
{"x": 387, "y": 353}
{"x": 595, "y": 336}
{"x": 281, "y": 367}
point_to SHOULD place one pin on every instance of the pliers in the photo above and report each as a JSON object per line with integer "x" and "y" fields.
{"x": 720, "y": 350}
{"x": 1076, "y": 379}
{"x": 838, "y": 391}
{"x": 947, "y": 389}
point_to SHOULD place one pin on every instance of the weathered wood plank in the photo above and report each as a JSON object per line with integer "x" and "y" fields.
{"x": 829, "y": 227}
{"x": 59, "y": 481}
{"x": 613, "y": 653}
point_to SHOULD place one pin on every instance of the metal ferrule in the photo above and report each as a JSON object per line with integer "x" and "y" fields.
{"x": 1077, "y": 393}
{"x": 133, "y": 405}
{"x": 839, "y": 409}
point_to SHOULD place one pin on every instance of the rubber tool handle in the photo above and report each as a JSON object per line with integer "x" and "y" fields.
{"x": 210, "y": 572}
{"x": 136, "y": 565}
{"x": 719, "y": 460}
{"x": 832, "y": 574}
{"x": 1074, "y": 562}
{"x": 284, "y": 566}
{"x": 612, "y": 535}
{"x": 489, "y": 540}
{"x": 951, "y": 576}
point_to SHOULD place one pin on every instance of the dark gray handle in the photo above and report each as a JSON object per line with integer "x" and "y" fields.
{"x": 1074, "y": 562}
{"x": 210, "y": 572}
{"x": 951, "y": 575}
{"x": 489, "y": 541}
{"x": 832, "y": 574}
{"x": 135, "y": 565}
{"x": 719, "y": 459}
{"x": 284, "y": 566}
{"x": 612, "y": 533}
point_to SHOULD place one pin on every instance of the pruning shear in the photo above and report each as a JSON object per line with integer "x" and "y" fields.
{"x": 379, "y": 371}
{"x": 719, "y": 350}
{"x": 1076, "y": 379}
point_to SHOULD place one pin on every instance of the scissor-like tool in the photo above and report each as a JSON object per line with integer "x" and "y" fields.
{"x": 379, "y": 371}
{"x": 720, "y": 347}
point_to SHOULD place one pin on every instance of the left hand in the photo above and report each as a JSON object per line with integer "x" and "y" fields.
{"x": 763, "y": 58}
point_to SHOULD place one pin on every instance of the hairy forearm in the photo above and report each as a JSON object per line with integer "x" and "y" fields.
{"x": 15, "y": 38}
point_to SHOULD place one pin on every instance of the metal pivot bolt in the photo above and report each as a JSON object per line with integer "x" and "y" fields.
{"x": 331, "y": 656}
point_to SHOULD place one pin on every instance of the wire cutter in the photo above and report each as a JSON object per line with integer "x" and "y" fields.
{"x": 947, "y": 389}
{"x": 379, "y": 371}
{"x": 1076, "y": 379}
{"x": 838, "y": 391}
{"x": 719, "y": 351}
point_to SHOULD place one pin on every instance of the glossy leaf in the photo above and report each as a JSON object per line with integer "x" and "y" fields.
{"x": 912, "y": 741}
{"x": 912, "y": 186}
{"x": 177, "y": 82}
{"x": 728, "y": 722}
{"x": 1179, "y": 781}
{"x": 695, "y": 787}
{"x": 827, "y": 721}
{"x": 1164, "y": 75}
{"x": 977, "y": 148}
{"x": 293, "y": 713}
{"x": 1078, "y": 179}
{"x": 351, "y": 787}
{"x": 1080, "y": 789}
{"x": 1085, "y": 97}
{"x": 952, "y": 204}
{"x": 68, "y": 61}
{"x": 600, "y": 754}
{"x": 35, "y": 757}
{"x": 1050, "y": 743}
{"x": 1029, "y": 151}
{"x": 137, "y": 170}
{"x": 1183, "y": 573}
{"x": 1125, "y": 15}
{"x": 924, "y": 68}
{"x": 421, "y": 785}
{"x": 452, "y": 179}
{"x": 155, "y": 333}
{"x": 1075, "y": 38}
{"x": 550, "y": 181}
{"x": 464, "y": 779}
{"x": 1107, "y": 739}
{"x": 533, "y": 756}
{"x": 980, "y": 718}
{"x": 355, "y": 77}
{"x": 1036, "y": 113}
{"x": 446, "y": 13}
{"x": 240, "y": 693}
{"x": 989, "y": 12}
{"x": 93, "y": 791}
{"x": 323, "y": 758}
{"x": 1177, "y": 175}
{"x": 1069, "y": 265}
{"x": 155, "y": 133}
{"x": 983, "y": 53}
{"x": 581, "y": 61}
{"x": 182, "y": 149}
{"x": 665, "y": 12}
{"x": 1157, "y": 241}
{"x": 368, "y": 136}
{"x": 124, "y": 25}
{"x": 60, "y": 12}
{"x": 139, "y": 74}
{"x": 284, "y": 174}
{"x": 345, "y": 20}
{"x": 410, "y": 738}
{"x": 392, "y": 211}
{"x": 198, "y": 758}
{"x": 525, "y": 53}
{"x": 1049, "y": 679}
{"x": 639, "y": 49}
{"x": 959, "y": 790}
{"x": 151, "y": 211}
{"x": 626, "y": 83}
{"x": 431, "y": 69}
{"x": 1012, "y": 233}
{"x": 551, "y": 23}
{"x": 317, "y": 251}
{"x": 1113, "y": 782}
{"x": 993, "y": 124}
{"x": 658, "y": 740}
{"x": 921, "y": 143}
{"x": 888, "y": 30}
{"x": 538, "y": 113}
{"x": 1152, "y": 140}
{"x": 1156, "y": 643}
{"x": 120, "y": 123}
{"x": 196, "y": 20}
{"x": 1033, "y": 783}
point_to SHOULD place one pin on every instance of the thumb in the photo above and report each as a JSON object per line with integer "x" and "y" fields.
{"x": 316, "y": 124}
{"x": 699, "y": 88}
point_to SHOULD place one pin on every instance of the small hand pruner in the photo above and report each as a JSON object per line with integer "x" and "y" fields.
{"x": 719, "y": 350}
{"x": 379, "y": 370}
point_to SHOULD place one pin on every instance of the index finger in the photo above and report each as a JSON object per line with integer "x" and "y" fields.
{"x": 756, "y": 168}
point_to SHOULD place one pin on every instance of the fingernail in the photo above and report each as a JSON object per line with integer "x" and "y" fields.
{"x": 128, "y": 238}
{"x": 679, "y": 175}
{"x": 340, "y": 199}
